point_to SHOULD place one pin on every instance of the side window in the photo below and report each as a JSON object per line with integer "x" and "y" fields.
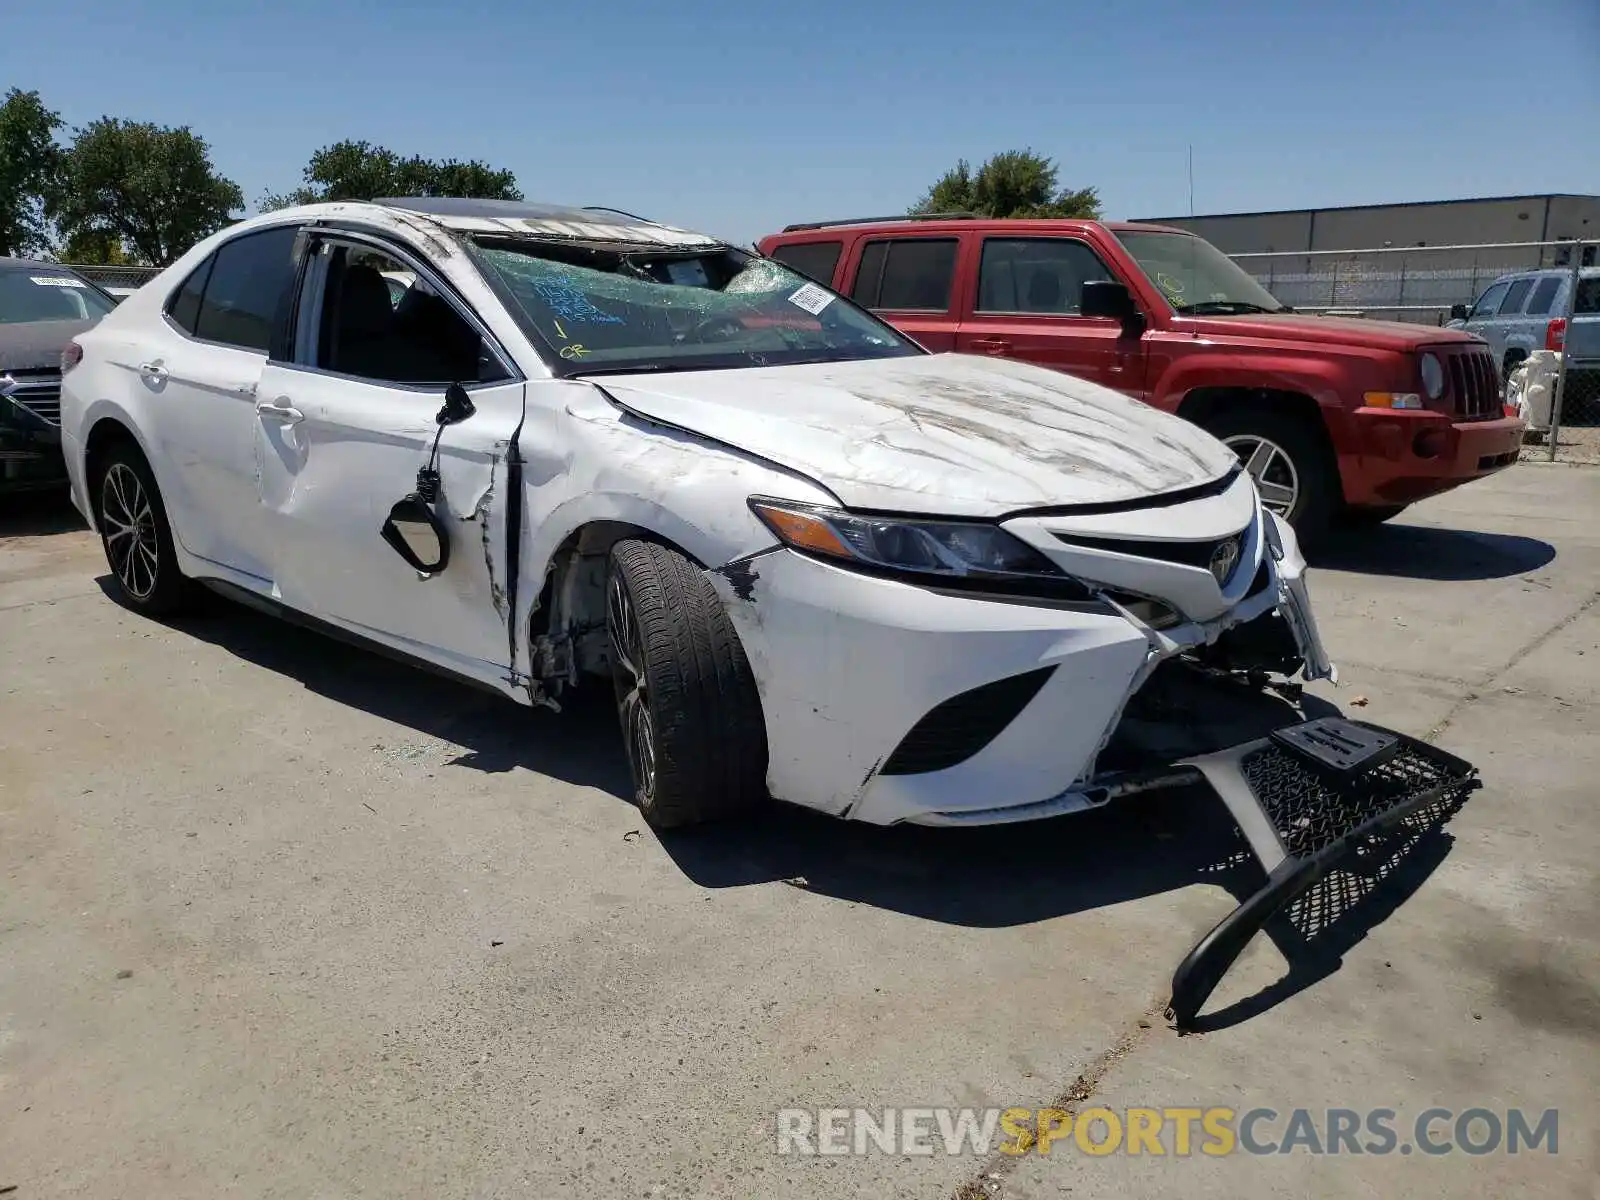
{"x": 814, "y": 259}
{"x": 249, "y": 283}
{"x": 184, "y": 306}
{"x": 1544, "y": 296}
{"x": 1036, "y": 275}
{"x": 1512, "y": 304}
{"x": 1488, "y": 302}
{"x": 1588, "y": 298}
{"x": 382, "y": 321}
{"x": 906, "y": 273}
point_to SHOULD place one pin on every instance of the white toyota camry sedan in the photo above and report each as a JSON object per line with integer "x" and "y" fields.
{"x": 814, "y": 561}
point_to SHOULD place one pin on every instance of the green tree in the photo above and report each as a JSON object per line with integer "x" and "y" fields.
{"x": 1014, "y": 183}
{"x": 29, "y": 161}
{"x": 95, "y": 247}
{"x": 361, "y": 171}
{"x": 150, "y": 189}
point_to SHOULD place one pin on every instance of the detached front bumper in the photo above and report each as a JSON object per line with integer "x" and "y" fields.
{"x": 1307, "y": 801}
{"x": 30, "y": 450}
{"x": 886, "y": 701}
{"x": 1406, "y": 456}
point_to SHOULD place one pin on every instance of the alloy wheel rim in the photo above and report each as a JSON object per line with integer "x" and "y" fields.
{"x": 633, "y": 698}
{"x": 1272, "y": 469}
{"x": 129, "y": 526}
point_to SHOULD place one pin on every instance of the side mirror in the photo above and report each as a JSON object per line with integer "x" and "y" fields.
{"x": 1108, "y": 298}
{"x": 417, "y": 535}
{"x": 458, "y": 406}
{"x": 1458, "y": 312}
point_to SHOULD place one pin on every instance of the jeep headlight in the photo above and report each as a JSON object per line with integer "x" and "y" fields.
{"x": 1432, "y": 376}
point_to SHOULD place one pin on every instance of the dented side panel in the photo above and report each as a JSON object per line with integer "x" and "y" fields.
{"x": 327, "y": 483}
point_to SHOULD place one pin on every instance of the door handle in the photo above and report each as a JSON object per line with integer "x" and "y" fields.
{"x": 280, "y": 410}
{"x": 153, "y": 370}
{"x": 990, "y": 345}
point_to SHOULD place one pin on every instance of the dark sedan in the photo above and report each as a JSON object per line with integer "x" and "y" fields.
{"x": 42, "y": 307}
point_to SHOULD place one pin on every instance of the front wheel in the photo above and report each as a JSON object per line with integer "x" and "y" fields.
{"x": 1286, "y": 458}
{"x": 137, "y": 536}
{"x": 686, "y": 698}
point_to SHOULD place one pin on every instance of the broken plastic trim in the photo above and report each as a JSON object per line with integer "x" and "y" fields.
{"x": 1303, "y": 818}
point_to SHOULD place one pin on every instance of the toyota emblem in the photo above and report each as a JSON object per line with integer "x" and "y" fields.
{"x": 1224, "y": 559}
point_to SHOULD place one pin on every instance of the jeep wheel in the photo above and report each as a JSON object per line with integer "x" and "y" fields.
{"x": 1286, "y": 458}
{"x": 136, "y": 535}
{"x": 686, "y": 698}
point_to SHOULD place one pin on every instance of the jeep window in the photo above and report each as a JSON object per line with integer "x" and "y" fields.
{"x": 1036, "y": 275}
{"x": 249, "y": 283}
{"x": 816, "y": 259}
{"x": 612, "y": 308}
{"x": 906, "y": 274}
{"x": 1488, "y": 302}
{"x": 1512, "y": 304}
{"x": 1194, "y": 276}
{"x": 44, "y": 294}
{"x": 1544, "y": 295}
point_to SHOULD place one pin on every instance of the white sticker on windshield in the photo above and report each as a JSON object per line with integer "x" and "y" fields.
{"x": 57, "y": 281}
{"x": 811, "y": 298}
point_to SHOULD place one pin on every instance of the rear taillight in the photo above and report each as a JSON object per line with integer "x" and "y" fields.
{"x": 1555, "y": 334}
{"x": 71, "y": 357}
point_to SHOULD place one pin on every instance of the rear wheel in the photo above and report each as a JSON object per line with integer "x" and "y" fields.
{"x": 136, "y": 535}
{"x": 686, "y": 698}
{"x": 1288, "y": 461}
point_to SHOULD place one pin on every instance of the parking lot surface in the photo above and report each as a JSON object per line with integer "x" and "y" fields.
{"x": 281, "y": 918}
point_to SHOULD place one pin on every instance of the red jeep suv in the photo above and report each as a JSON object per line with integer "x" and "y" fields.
{"x": 1333, "y": 417}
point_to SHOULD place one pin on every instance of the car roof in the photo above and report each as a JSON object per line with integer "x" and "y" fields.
{"x": 593, "y": 223}
{"x": 34, "y": 264}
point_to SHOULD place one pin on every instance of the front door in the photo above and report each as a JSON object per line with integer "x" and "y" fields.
{"x": 341, "y": 433}
{"x": 1028, "y": 305}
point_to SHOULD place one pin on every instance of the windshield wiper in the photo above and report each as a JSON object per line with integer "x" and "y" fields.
{"x": 1223, "y": 308}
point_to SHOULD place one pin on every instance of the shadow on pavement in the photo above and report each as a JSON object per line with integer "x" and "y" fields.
{"x": 1428, "y": 552}
{"x": 37, "y": 514}
{"x": 987, "y": 877}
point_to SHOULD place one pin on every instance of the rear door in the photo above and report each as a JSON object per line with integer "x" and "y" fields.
{"x": 198, "y": 371}
{"x": 909, "y": 282}
{"x": 341, "y": 432}
{"x": 1482, "y": 319}
{"x": 1027, "y": 304}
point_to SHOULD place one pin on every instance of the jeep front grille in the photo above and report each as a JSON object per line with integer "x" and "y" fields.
{"x": 1474, "y": 384}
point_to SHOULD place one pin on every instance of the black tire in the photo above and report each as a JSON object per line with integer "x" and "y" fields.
{"x": 1315, "y": 481}
{"x": 1371, "y": 515}
{"x": 690, "y": 714}
{"x": 136, "y": 534}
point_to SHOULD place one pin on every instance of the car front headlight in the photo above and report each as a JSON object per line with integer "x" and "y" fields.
{"x": 968, "y": 551}
{"x": 1432, "y": 376}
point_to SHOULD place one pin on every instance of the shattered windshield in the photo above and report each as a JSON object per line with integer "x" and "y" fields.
{"x": 1195, "y": 277}
{"x": 612, "y": 309}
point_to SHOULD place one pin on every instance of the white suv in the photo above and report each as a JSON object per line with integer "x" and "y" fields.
{"x": 813, "y": 560}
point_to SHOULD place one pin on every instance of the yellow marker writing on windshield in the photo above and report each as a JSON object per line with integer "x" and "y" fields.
{"x": 573, "y": 351}
{"x": 560, "y": 330}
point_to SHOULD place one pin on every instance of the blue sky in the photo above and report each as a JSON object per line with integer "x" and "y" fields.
{"x": 739, "y": 118}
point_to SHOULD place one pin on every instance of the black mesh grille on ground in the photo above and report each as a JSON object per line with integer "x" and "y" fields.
{"x": 1311, "y": 808}
{"x": 955, "y": 730}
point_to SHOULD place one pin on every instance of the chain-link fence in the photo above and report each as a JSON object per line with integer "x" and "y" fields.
{"x": 116, "y": 280}
{"x": 1397, "y": 283}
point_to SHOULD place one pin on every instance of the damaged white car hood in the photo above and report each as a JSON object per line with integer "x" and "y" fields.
{"x": 941, "y": 433}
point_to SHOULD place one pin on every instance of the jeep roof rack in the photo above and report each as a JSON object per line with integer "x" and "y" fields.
{"x": 944, "y": 216}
